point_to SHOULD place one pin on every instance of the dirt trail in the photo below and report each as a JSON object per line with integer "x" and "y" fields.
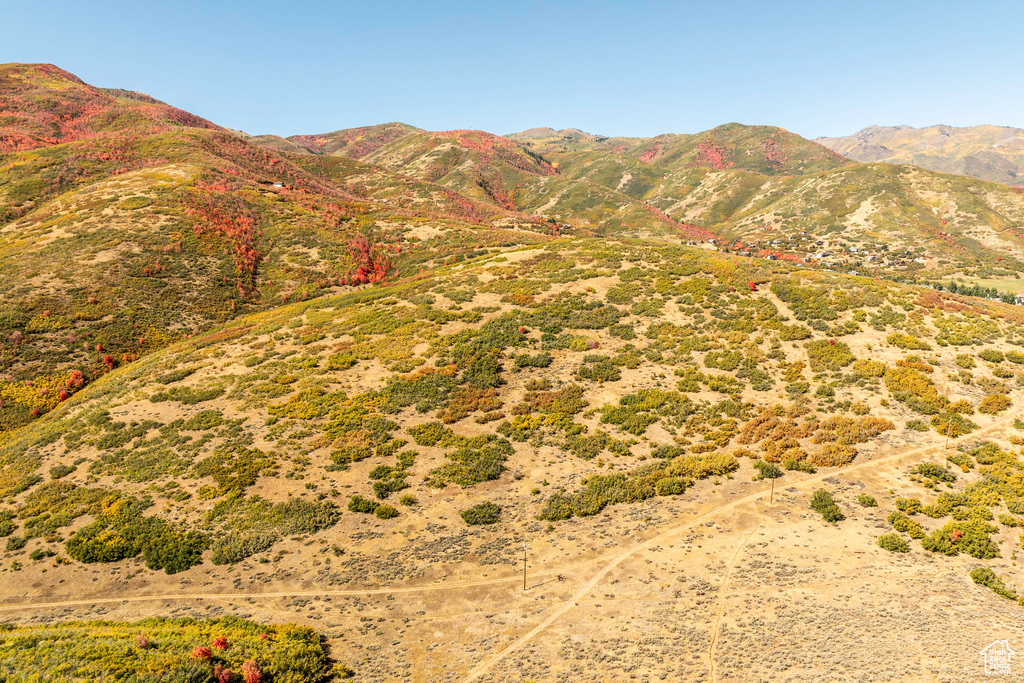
{"x": 721, "y": 601}
{"x": 489, "y": 663}
{"x": 611, "y": 562}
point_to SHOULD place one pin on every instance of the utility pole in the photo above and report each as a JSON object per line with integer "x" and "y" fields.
{"x": 949, "y": 428}
{"x": 771, "y": 497}
{"x": 525, "y": 547}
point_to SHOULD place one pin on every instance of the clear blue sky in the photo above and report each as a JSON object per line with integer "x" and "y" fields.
{"x": 617, "y": 68}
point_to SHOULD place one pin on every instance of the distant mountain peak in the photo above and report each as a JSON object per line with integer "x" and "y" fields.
{"x": 985, "y": 151}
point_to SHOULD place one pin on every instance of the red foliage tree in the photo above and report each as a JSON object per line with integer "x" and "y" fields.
{"x": 250, "y": 672}
{"x": 370, "y": 260}
{"x": 201, "y": 652}
{"x": 76, "y": 380}
{"x": 713, "y": 155}
{"x": 227, "y": 217}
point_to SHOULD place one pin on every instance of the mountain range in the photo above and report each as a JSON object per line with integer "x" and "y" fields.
{"x": 993, "y": 153}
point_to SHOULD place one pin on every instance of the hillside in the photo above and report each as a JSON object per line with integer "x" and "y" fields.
{"x": 42, "y": 105}
{"x": 393, "y": 404}
{"x": 756, "y": 189}
{"x": 610, "y": 401}
{"x": 888, "y": 220}
{"x": 175, "y": 228}
{"x": 993, "y": 153}
{"x": 761, "y": 149}
{"x": 487, "y": 170}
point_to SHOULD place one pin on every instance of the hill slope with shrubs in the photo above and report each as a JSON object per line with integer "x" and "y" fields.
{"x": 993, "y": 153}
{"x": 340, "y": 380}
{"x": 644, "y": 369}
{"x": 128, "y": 229}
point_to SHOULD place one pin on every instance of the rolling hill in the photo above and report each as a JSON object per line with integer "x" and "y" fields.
{"x": 176, "y": 227}
{"x": 993, "y": 153}
{"x": 464, "y": 407}
{"x": 755, "y": 189}
{"x": 624, "y": 405}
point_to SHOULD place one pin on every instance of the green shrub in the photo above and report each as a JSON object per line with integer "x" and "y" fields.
{"x": 799, "y": 465}
{"x": 40, "y": 554}
{"x": 792, "y": 332}
{"x": 298, "y": 516}
{"x": 822, "y": 503}
{"x": 867, "y": 501}
{"x": 660, "y": 478}
{"x": 961, "y": 460}
{"x": 359, "y": 504}
{"x": 934, "y": 471}
{"x": 970, "y": 536}
{"x": 61, "y": 471}
{"x": 187, "y": 395}
{"x": 991, "y": 355}
{"x": 622, "y": 331}
{"x": 952, "y": 424}
{"x": 1010, "y": 521}
{"x": 175, "y": 375}
{"x": 541, "y": 360}
{"x": 203, "y": 420}
{"x": 7, "y": 524}
{"x": 900, "y": 522}
{"x": 432, "y": 434}
{"x": 797, "y": 388}
{"x": 894, "y": 543}
{"x": 909, "y": 506}
{"x": 385, "y": 512}
{"x": 994, "y": 403}
{"x": 174, "y": 551}
{"x": 986, "y": 577}
{"x": 1015, "y": 357}
{"x": 392, "y": 483}
{"x": 601, "y": 371}
{"x": 826, "y": 355}
{"x": 481, "y": 459}
{"x": 667, "y": 452}
{"x": 237, "y": 546}
{"x": 132, "y": 203}
{"x": 766, "y": 470}
{"x": 671, "y": 486}
{"x": 907, "y": 341}
{"x": 723, "y": 360}
{"x": 484, "y": 513}
{"x": 965, "y": 360}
